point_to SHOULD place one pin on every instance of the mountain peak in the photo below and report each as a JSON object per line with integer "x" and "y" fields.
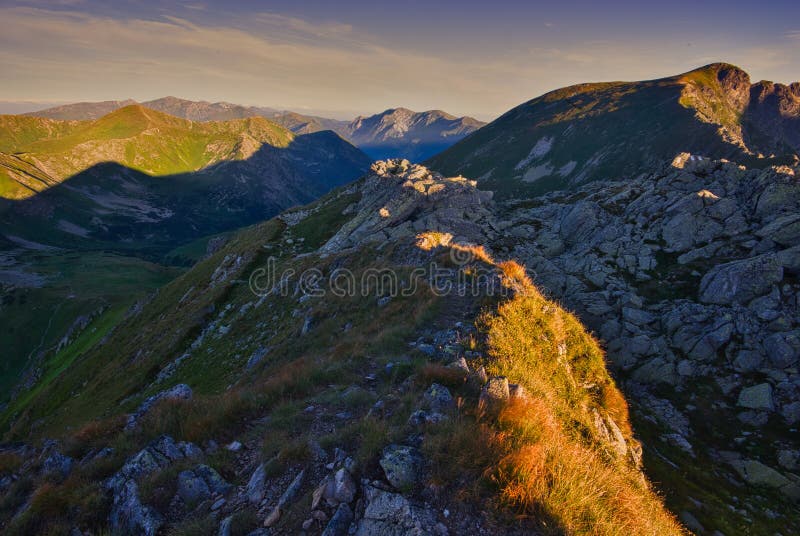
{"x": 400, "y": 132}
{"x": 137, "y": 114}
{"x": 712, "y": 111}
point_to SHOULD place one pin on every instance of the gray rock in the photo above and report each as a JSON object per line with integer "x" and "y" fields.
{"x": 255, "y": 486}
{"x": 740, "y": 281}
{"x": 656, "y": 370}
{"x": 256, "y": 358}
{"x": 753, "y": 418}
{"x": 201, "y": 483}
{"x": 789, "y": 258}
{"x": 57, "y": 466}
{"x": 427, "y": 349}
{"x": 191, "y": 488}
{"x": 335, "y": 489}
{"x": 757, "y": 397}
{"x": 157, "y": 455}
{"x": 225, "y": 526}
{"x": 791, "y": 412}
{"x": 180, "y": 391}
{"x": 460, "y": 364}
{"x": 783, "y": 349}
{"x": 638, "y": 317}
{"x": 438, "y": 398}
{"x": 344, "y": 488}
{"x": 747, "y": 361}
{"x": 130, "y": 516}
{"x": 679, "y": 441}
{"x": 391, "y": 514}
{"x": 340, "y": 522}
{"x": 608, "y": 430}
{"x": 758, "y": 474}
{"x": 495, "y": 392}
{"x": 402, "y": 465}
{"x": 789, "y": 459}
{"x": 288, "y": 497}
{"x": 691, "y": 522}
{"x": 784, "y": 230}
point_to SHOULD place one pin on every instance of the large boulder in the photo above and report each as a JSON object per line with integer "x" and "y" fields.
{"x": 738, "y": 282}
{"x": 784, "y": 230}
{"x": 200, "y": 484}
{"x": 130, "y": 516}
{"x": 391, "y": 514}
{"x": 438, "y": 398}
{"x": 339, "y": 524}
{"x": 783, "y": 349}
{"x": 496, "y": 392}
{"x": 757, "y": 397}
{"x": 402, "y": 465}
{"x": 335, "y": 489}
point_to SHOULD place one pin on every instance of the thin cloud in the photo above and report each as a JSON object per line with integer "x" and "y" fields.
{"x": 281, "y": 61}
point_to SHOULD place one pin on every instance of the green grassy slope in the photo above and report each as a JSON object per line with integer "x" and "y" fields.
{"x": 136, "y": 137}
{"x": 34, "y": 319}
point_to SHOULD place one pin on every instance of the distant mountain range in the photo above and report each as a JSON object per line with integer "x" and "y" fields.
{"x": 138, "y": 174}
{"x": 610, "y": 130}
{"x": 412, "y": 135}
{"x": 396, "y": 132}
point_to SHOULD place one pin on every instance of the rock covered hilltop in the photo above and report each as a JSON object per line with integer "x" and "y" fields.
{"x": 689, "y": 274}
{"x": 402, "y": 406}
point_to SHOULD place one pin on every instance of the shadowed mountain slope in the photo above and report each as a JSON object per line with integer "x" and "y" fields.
{"x": 594, "y": 131}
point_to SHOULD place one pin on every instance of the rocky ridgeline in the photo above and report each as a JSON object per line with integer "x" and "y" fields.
{"x": 690, "y": 275}
{"x": 400, "y": 199}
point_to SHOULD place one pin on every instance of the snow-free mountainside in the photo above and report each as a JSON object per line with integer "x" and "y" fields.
{"x": 582, "y": 318}
{"x": 393, "y": 133}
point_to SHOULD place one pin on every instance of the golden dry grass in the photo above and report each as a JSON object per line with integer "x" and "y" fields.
{"x": 552, "y": 462}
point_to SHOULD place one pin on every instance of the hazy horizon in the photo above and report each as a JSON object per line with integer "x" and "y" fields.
{"x": 358, "y": 58}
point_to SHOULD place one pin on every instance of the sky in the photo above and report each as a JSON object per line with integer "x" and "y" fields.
{"x": 349, "y": 57}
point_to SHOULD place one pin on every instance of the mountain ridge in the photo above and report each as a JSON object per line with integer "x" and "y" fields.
{"x": 395, "y": 132}
{"x": 374, "y": 377}
{"x": 586, "y": 132}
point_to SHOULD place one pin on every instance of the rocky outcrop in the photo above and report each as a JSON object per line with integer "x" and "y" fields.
{"x": 689, "y": 275}
{"x": 200, "y": 484}
{"x": 739, "y": 282}
{"x": 391, "y": 514}
{"x": 399, "y": 199}
{"x": 177, "y": 392}
{"x": 128, "y": 513}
